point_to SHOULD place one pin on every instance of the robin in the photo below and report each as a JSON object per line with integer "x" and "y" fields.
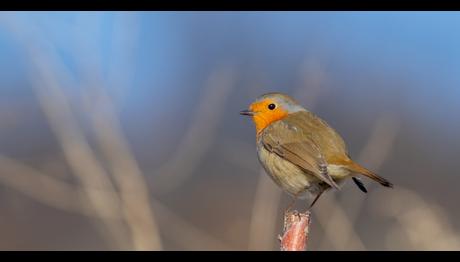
{"x": 300, "y": 151}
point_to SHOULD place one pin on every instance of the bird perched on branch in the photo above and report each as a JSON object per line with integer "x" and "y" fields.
{"x": 300, "y": 151}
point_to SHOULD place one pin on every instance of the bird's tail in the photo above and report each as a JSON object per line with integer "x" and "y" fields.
{"x": 354, "y": 167}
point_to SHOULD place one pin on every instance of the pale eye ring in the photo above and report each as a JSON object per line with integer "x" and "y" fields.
{"x": 271, "y": 106}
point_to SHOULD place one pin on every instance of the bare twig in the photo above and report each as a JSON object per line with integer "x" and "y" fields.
{"x": 295, "y": 232}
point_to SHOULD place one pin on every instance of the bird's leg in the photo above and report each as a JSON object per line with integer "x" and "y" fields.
{"x": 290, "y": 205}
{"x": 316, "y": 199}
{"x": 294, "y": 199}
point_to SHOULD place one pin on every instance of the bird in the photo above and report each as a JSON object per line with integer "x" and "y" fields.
{"x": 302, "y": 153}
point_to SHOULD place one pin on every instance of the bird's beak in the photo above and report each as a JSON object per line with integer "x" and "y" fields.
{"x": 246, "y": 113}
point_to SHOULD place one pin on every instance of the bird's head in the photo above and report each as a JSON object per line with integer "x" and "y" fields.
{"x": 271, "y": 107}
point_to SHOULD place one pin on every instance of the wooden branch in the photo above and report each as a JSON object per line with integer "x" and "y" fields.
{"x": 295, "y": 231}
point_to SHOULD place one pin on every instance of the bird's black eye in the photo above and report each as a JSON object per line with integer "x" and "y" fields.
{"x": 271, "y": 106}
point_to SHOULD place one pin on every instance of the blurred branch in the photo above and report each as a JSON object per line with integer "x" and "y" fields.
{"x": 46, "y": 75}
{"x": 135, "y": 203}
{"x": 423, "y": 224}
{"x": 98, "y": 190}
{"x": 57, "y": 109}
{"x": 41, "y": 187}
{"x": 336, "y": 224}
{"x": 187, "y": 235}
{"x": 373, "y": 155}
{"x": 64, "y": 196}
{"x": 295, "y": 231}
{"x": 267, "y": 197}
{"x": 200, "y": 134}
{"x": 313, "y": 82}
{"x": 128, "y": 177}
{"x": 380, "y": 142}
{"x": 264, "y": 213}
{"x": 76, "y": 149}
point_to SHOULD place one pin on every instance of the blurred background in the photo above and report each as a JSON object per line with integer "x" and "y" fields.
{"x": 120, "y": 130}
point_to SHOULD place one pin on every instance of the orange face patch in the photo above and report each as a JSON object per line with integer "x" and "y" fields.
{"x": 264, "y": 116}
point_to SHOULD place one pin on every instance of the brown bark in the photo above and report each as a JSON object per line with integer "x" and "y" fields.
{"x": 295, "y": 231}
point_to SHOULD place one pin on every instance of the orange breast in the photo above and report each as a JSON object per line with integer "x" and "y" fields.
{"x": 264, "y": 116}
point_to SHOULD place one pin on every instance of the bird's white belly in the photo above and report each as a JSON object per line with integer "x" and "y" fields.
{"x": 288, "y": 176}
{"x": 294, "y": 180}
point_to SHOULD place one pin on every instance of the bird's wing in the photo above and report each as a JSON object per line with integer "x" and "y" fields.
{"x": 297, "y": 147}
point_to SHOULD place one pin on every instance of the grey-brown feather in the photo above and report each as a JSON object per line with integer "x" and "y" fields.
{"x": 294, "y": 145}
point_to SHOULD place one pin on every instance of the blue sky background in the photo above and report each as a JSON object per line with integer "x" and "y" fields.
{"x": 170, "y": 48}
